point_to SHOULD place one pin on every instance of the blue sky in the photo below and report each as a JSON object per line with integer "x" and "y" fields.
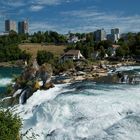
{"x": 73, "y": 15}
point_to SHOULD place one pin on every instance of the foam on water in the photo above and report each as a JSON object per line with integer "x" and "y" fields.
{"x": 110, "y": 112}
{"x": 5, "y": 81}
{"x": 128, "y": 68}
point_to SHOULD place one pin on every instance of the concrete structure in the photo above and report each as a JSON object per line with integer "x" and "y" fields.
{"x": 100, "y": 35}
{"x": 115, "y": 34}
{"x": 23, "y": 27}
{"x": 10, "y": 25}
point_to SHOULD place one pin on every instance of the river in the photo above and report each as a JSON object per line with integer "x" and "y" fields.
{"x": 6, "y": 76}
{"x": 84, "y": 111}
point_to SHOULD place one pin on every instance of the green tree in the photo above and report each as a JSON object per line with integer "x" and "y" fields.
{"x": 106, "y": 44}
{"x": 9, "y": 126}
{"x": 9, "y": 49}
{"x": 120, "y": 52}
{"x": 61, "y": 67}
{"x": 102, "y": 52}
{"x": 44, "y": 57}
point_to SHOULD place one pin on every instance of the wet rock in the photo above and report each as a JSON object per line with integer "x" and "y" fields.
{"x": 48, "y": 85}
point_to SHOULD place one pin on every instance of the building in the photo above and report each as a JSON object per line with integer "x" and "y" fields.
{"x": 72, "y": 55}
{"x": 100, "y": 35}
{"x": 115, "y": 34}
{"x": 10, "y": 25}
{"x": 23, "y": 27}
{"x": 73, "y": 39}
{"x": 115, "y": 31}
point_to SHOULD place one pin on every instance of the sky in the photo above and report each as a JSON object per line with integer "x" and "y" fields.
{"x": 73, "y": 15}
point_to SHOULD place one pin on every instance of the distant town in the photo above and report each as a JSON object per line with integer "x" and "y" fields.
{"x": 94, "y": 45}
{"x": 22, "y": 27}
{"x": 101, "y": 35}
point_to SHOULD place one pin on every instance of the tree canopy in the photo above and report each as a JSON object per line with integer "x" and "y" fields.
{"x": 44, "y": 57}
{"x": 9, "y": 49}
{"x": 9, "y": 126}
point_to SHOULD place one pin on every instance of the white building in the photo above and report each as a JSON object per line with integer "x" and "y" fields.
{"x": 100, "y": 35}
{"x": 10, "y": 25}
{"x": 72, "y": 55}
{"x": 115, "y": 34}
{"x": 73, "y": 39}
{"x": 23, "y": 27}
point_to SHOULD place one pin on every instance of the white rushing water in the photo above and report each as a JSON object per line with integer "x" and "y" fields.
{"x": 128, "y": 68}
{"x": 83, "y": 111}
{"x": 5, "y": 81}
{"x": 106, "y": 112}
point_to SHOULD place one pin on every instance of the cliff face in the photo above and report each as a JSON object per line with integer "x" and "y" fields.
{"x": 34, "y": 77}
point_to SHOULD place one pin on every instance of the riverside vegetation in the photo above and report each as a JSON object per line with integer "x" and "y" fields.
{"x": 9, "y": 50}
{"x": 9, "y": 126}
{"x": 29, "y": 79}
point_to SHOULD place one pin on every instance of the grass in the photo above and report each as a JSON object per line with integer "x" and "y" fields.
{"x": 33, "y": 48}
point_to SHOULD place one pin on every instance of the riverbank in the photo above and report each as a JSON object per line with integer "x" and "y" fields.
{"x": 19, "y": 63}
{"x": 81, "y": 72}
{"x": 95, "y": 73}
{"x": 90, "y": 72}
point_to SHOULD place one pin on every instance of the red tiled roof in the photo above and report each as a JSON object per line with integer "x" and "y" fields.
{"x": 115, "y": 46}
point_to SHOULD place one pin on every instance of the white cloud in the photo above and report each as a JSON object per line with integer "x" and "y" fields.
{"x": 92, "y": 19}
{"x": 36, "y": 8}
{"x": 88, "y": 21}
{"x": 81, "y": 13}
{"x": 48, "y": 2}
{"x": 41, "y": 26}
{"x": 52, "y": 2}
{"x": 85, "y": 20}
{"x": 13, "y": 3}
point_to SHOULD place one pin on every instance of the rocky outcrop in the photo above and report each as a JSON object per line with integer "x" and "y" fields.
{"x": 33, "y": 78}
{"x": 85, "y": 71}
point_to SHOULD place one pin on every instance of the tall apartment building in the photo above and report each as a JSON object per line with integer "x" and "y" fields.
{"x": 115, "y": 34}
{"x": 100, "y": 35}
{"x": 23, "y": 26}
{"x": 10, "y": 25}
{"x": 115, "y": 31}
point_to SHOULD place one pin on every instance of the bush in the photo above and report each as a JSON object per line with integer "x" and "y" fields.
{"x": 44, "y": 57}
{"x": 9, "y": 126}
{"x": 120, "y": 52}
{"x": 61, "y": 67}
